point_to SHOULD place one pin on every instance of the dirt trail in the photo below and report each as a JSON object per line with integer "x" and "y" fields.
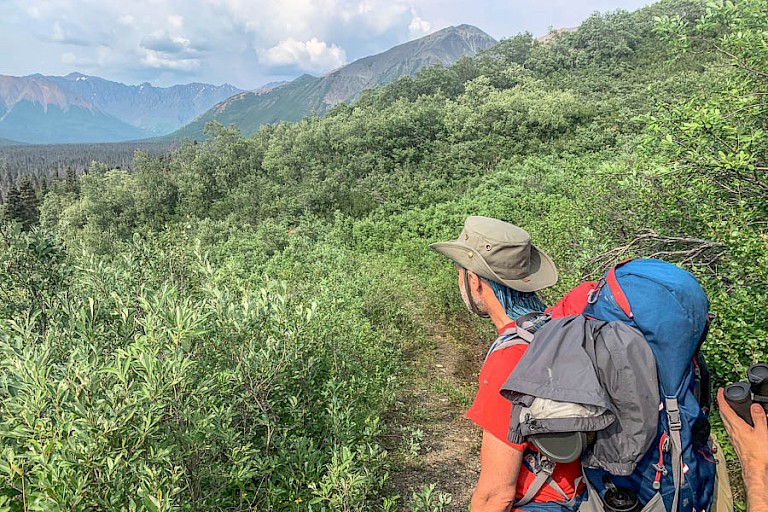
{"x": 441, "y": 389}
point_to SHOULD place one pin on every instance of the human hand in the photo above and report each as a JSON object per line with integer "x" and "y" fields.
{"x": 750, "y": 443}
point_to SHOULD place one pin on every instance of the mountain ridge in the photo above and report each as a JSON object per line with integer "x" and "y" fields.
{"x": 308, "y": 94}
{"x": 157, "y": 110}
{"x": 36, "y": 89}
{"x": 81, "y": 108}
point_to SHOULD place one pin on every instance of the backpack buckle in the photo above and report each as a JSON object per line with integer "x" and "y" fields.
{"x": 673, "y": 418}
{"x": 673, "y": 414}
{"x": 538, "y": 463}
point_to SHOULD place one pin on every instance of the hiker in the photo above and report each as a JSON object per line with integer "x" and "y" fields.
{"x": 499, "y": 273}
{"x": 751, "y": 445}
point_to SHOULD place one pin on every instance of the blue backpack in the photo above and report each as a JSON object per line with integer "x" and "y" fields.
{"x": 670, "y": 308}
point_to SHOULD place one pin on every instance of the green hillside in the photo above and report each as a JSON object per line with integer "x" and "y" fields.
{"x": 8, "y": 142}
{"x": 316, "y": 95}
{"x": 256, "y": 322}
{"x": 31, "y": 122}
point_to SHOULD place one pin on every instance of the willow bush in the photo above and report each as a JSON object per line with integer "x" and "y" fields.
{"x": 172, "y": 386}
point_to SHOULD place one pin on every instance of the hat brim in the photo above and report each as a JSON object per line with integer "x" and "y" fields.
{"x": 543, "y": 271}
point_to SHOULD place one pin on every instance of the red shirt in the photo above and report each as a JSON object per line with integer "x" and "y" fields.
{"x": 490, "y": 411}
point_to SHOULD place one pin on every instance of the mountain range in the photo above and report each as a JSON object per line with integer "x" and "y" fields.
{"x": 308, "y": 94}
{"x": 157, "y": 110}
{"x": 43, "y": 109}
{"x": 80, "y": 108}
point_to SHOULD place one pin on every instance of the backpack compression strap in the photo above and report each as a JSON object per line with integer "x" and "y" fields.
{"x": 673, "y": 417}
{"x": 521, "y": 333}
{"x": 543, "y": 468}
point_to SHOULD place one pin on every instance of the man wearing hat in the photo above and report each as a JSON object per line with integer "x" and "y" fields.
{"x": 499, "y": 273}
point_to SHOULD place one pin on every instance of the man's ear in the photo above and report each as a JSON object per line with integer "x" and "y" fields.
{"x": 474, "y": 281}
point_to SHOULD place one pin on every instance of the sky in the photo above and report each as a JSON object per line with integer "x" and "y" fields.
{"x": 247, "y": 43}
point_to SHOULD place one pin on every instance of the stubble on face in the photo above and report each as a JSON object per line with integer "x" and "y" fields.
{"x": 465, "y": 294}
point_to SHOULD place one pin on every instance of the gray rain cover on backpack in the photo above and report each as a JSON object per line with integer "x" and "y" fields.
{"x": 592, "y": 363}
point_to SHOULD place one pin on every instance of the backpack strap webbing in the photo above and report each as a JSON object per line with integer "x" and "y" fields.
{"x": 543, "y": 476}
{"x": 673, "y": 417}
{"x": 530, "y": 322}
{"x": 519, "y": 334}
{"x": 543, "y": 468}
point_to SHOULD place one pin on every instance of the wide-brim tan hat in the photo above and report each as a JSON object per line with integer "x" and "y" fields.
{"x": 501, "y": 252}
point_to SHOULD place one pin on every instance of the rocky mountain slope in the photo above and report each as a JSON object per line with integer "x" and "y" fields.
{"x": 308, "y": 94}
{"x": 157, "y": 110}
{"x": 34, "y": 109}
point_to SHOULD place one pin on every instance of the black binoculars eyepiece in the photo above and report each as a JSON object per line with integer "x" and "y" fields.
{"x": 758, "y": 379}
{"x": 741, "y": 395}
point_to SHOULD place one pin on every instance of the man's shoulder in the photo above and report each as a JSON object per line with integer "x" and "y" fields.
{"x": 504, "y": 359}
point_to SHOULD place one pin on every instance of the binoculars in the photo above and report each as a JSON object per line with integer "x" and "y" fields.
{"x": 741, "y": 395}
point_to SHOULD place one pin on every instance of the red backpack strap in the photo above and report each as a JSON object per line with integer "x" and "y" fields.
{"x": 618, "y": 293}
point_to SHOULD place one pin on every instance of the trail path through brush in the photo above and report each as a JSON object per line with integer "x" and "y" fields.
{"x": 444, "y": 445}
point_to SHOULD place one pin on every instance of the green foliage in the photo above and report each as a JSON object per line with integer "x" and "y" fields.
{"x": 188, "y": 390}
{"x": 33, "y": 271}
{"x": 224, "y": 327}
{"x": 714, "y": 184}
{"x": 429, "y": 500}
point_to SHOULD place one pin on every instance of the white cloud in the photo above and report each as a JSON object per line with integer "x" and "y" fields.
{"x": 70, "y": 59}
{"x": 313, "y": 55}
{"x": 126, "y": 20}
{"x": 381, "y": 15}
{"x": 163, "y": 42}
{"x": 176, "y": 21}
{"x": 158, "y": 60}
{"x": 419, "y": 27}
{"x": 64, "y": 35}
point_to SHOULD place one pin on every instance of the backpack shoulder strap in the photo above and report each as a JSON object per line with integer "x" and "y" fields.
{"x": 507, "y": 338}
{"x": 521, "y": 333}
{"x": 531, "y": 322}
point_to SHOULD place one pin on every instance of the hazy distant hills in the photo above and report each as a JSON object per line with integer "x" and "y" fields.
{"x": 307, "y": 94}
{"x": 34, "y": 109}
{"x": 157, "y": 110}
{"x": 79, "y": 108}
{"x": 7, "y": 142}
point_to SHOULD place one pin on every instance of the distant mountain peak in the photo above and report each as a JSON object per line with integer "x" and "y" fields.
{"x": 307, "y": 93}
{"x": 36, "y": 89}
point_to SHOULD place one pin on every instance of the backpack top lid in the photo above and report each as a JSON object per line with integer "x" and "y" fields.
{"x": 665, "y": 303}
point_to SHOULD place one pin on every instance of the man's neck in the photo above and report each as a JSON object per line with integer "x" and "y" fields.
{"x": 498, "y": 314}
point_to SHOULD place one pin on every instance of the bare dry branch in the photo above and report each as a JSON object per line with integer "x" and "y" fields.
{"x": 679, "y": 249}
